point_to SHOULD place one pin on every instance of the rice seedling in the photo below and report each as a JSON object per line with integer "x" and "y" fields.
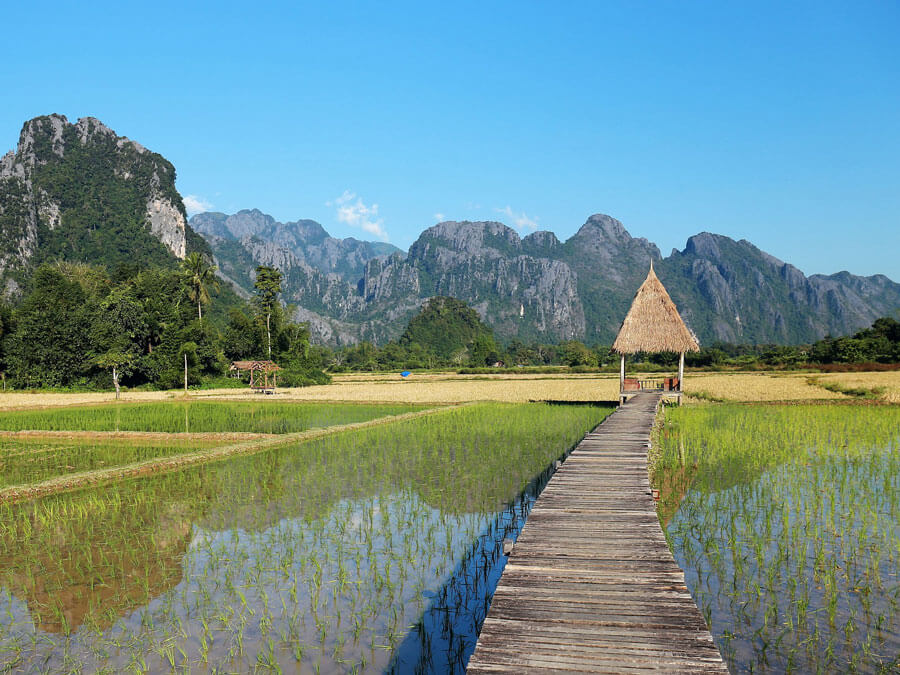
{"x": 269, "y": 417}
{"x": 34, "y": 459}
{"x": 786, "y": 521}
{"x": 320, "y": 555}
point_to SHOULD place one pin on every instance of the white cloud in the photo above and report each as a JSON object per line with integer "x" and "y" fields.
{"x": 352, "y": 211}
{"x": 439, "y": 217}
{"x": 194, "y": 204}
{"x": 520, "y": 221}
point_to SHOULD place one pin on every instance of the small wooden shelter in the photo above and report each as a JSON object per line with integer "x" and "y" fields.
{"x": 259, "y": 374}
{"x": 653, "y": 325}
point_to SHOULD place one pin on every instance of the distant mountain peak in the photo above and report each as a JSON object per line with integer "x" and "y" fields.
{"x": 80, "y": 192}
{"x": 295, "y": 244}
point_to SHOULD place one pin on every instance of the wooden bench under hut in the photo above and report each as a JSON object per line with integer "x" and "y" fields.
{"x": 259, "y": 374}
{"x": 653, "y": 325}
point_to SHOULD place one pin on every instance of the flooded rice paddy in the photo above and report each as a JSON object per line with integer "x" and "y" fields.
{"x": 369, "y": 550}
{"x": 786, "y": 521}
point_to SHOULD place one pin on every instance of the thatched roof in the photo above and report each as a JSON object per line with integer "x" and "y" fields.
{"x": 265, "y": 366}
{"x": 653, "y": 323}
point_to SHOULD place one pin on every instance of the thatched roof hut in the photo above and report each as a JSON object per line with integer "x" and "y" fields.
{"x": 653, "y": 325}
{"x": 259, "y": 374}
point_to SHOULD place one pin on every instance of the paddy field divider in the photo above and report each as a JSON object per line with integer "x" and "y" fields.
{"x": 160, "y": 465}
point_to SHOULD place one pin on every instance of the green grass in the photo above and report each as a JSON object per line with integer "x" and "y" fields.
{"x": 31, "y": 460}
{"x": 319, "y": 555}
{"x": 198, "y": 416}
{"x": 786, "y": 520}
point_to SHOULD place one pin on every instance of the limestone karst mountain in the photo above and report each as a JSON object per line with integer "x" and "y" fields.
{"x": 537, "y": 287}
{"x": 80, "y": 192}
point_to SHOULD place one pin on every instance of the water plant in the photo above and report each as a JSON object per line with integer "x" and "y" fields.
{"x": 786, "y": 520}
{"x": 321, "y": 555}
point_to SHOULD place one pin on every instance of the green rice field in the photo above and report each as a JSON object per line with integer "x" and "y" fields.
{"x": 31, "y": 460}
{"x": 786, "y": 521}
{"x": 265, "y": 417}
{"x": 368, "y": 550}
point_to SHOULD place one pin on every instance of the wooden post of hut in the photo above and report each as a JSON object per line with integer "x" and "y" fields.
{"x": 653, "y": 325}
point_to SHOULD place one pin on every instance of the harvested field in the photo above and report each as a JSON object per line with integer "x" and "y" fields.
{"x": 755, "y": 387}
{"x": 438, "y": 388}
{"x": 886, "y": 385}
{"x": 451, "y": 388}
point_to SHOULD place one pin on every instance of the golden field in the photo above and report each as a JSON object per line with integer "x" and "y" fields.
{"x": 375, "y": 387}
{"x": 887, "y": 382}
{"x": 440, "y": 388}
{"x": 756, "y": 387}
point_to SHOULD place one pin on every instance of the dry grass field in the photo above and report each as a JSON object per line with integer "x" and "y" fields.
{"x": 442, "y": 388}
{"x": 756, "y": 387}
{"x": 452, "y": 388}
{"x": 887, "y": 384}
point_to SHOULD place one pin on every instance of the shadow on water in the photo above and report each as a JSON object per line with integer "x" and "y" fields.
{"x": 363, "y": 551}
{"x": 445, "y": 637}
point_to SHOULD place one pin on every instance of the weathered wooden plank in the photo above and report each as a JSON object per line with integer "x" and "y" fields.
{"x": 590, "y": 585}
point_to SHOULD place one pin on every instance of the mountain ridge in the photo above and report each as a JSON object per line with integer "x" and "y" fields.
{"x": 538, "y": 287}
{"x": 79, "y": 192}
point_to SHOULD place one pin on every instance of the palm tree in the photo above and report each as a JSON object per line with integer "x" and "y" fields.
{"x": 198, "y": 276}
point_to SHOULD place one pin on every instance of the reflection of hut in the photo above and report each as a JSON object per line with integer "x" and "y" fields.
{"x": 653, "y": 325}
{"x": 259, "y": 374}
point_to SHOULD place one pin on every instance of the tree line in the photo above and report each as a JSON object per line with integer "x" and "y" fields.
{"x": 434, "y": 340}
{"x": 80, "y": 325}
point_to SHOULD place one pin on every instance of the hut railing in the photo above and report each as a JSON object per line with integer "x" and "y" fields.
{"x": 633, "y": 384}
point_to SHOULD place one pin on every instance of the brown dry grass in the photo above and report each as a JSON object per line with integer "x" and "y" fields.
{"x": 756, "y": 387}
{"x": 12, "y": 400}
{"x": 887, "y": 383}
{"x": 442, "y": 388}
{"x": 450, "y": 388}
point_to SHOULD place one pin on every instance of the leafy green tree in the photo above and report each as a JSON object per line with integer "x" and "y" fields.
{"x": 483, "y": 351}
{"x": 51, "y": 342}
{"x": 268, "y": 286}
{"x": 115, "y": 361}
{"x": 198, "y": 276}
{"x": 446, "y": 325}
{"x": 243, "y": 338}
{"x": 299, "y": 369}
{"x": 576, "y": 353}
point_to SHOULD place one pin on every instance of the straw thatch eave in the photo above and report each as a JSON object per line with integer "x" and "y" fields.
{"x": 653, "y": 323}
{"x": 264, "y": 366}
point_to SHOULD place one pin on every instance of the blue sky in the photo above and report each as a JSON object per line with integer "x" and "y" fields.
{"x": 774, "y": 122}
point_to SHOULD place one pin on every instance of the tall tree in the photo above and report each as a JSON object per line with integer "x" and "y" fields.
{"x": 268, "y": 286}
{"x": 199, "y": 276}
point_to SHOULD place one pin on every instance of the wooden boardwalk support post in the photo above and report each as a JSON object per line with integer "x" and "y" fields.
{"x": 591, "y": 585}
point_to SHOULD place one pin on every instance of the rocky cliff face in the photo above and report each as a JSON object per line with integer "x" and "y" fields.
{"x": 544, "y": 289}
{"x": 732, "y": 291}
{"x": 305, "y": 240}
{"x": 81, "y": 192}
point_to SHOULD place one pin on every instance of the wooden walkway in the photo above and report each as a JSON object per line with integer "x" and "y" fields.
{"x": 590, "y": 585}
